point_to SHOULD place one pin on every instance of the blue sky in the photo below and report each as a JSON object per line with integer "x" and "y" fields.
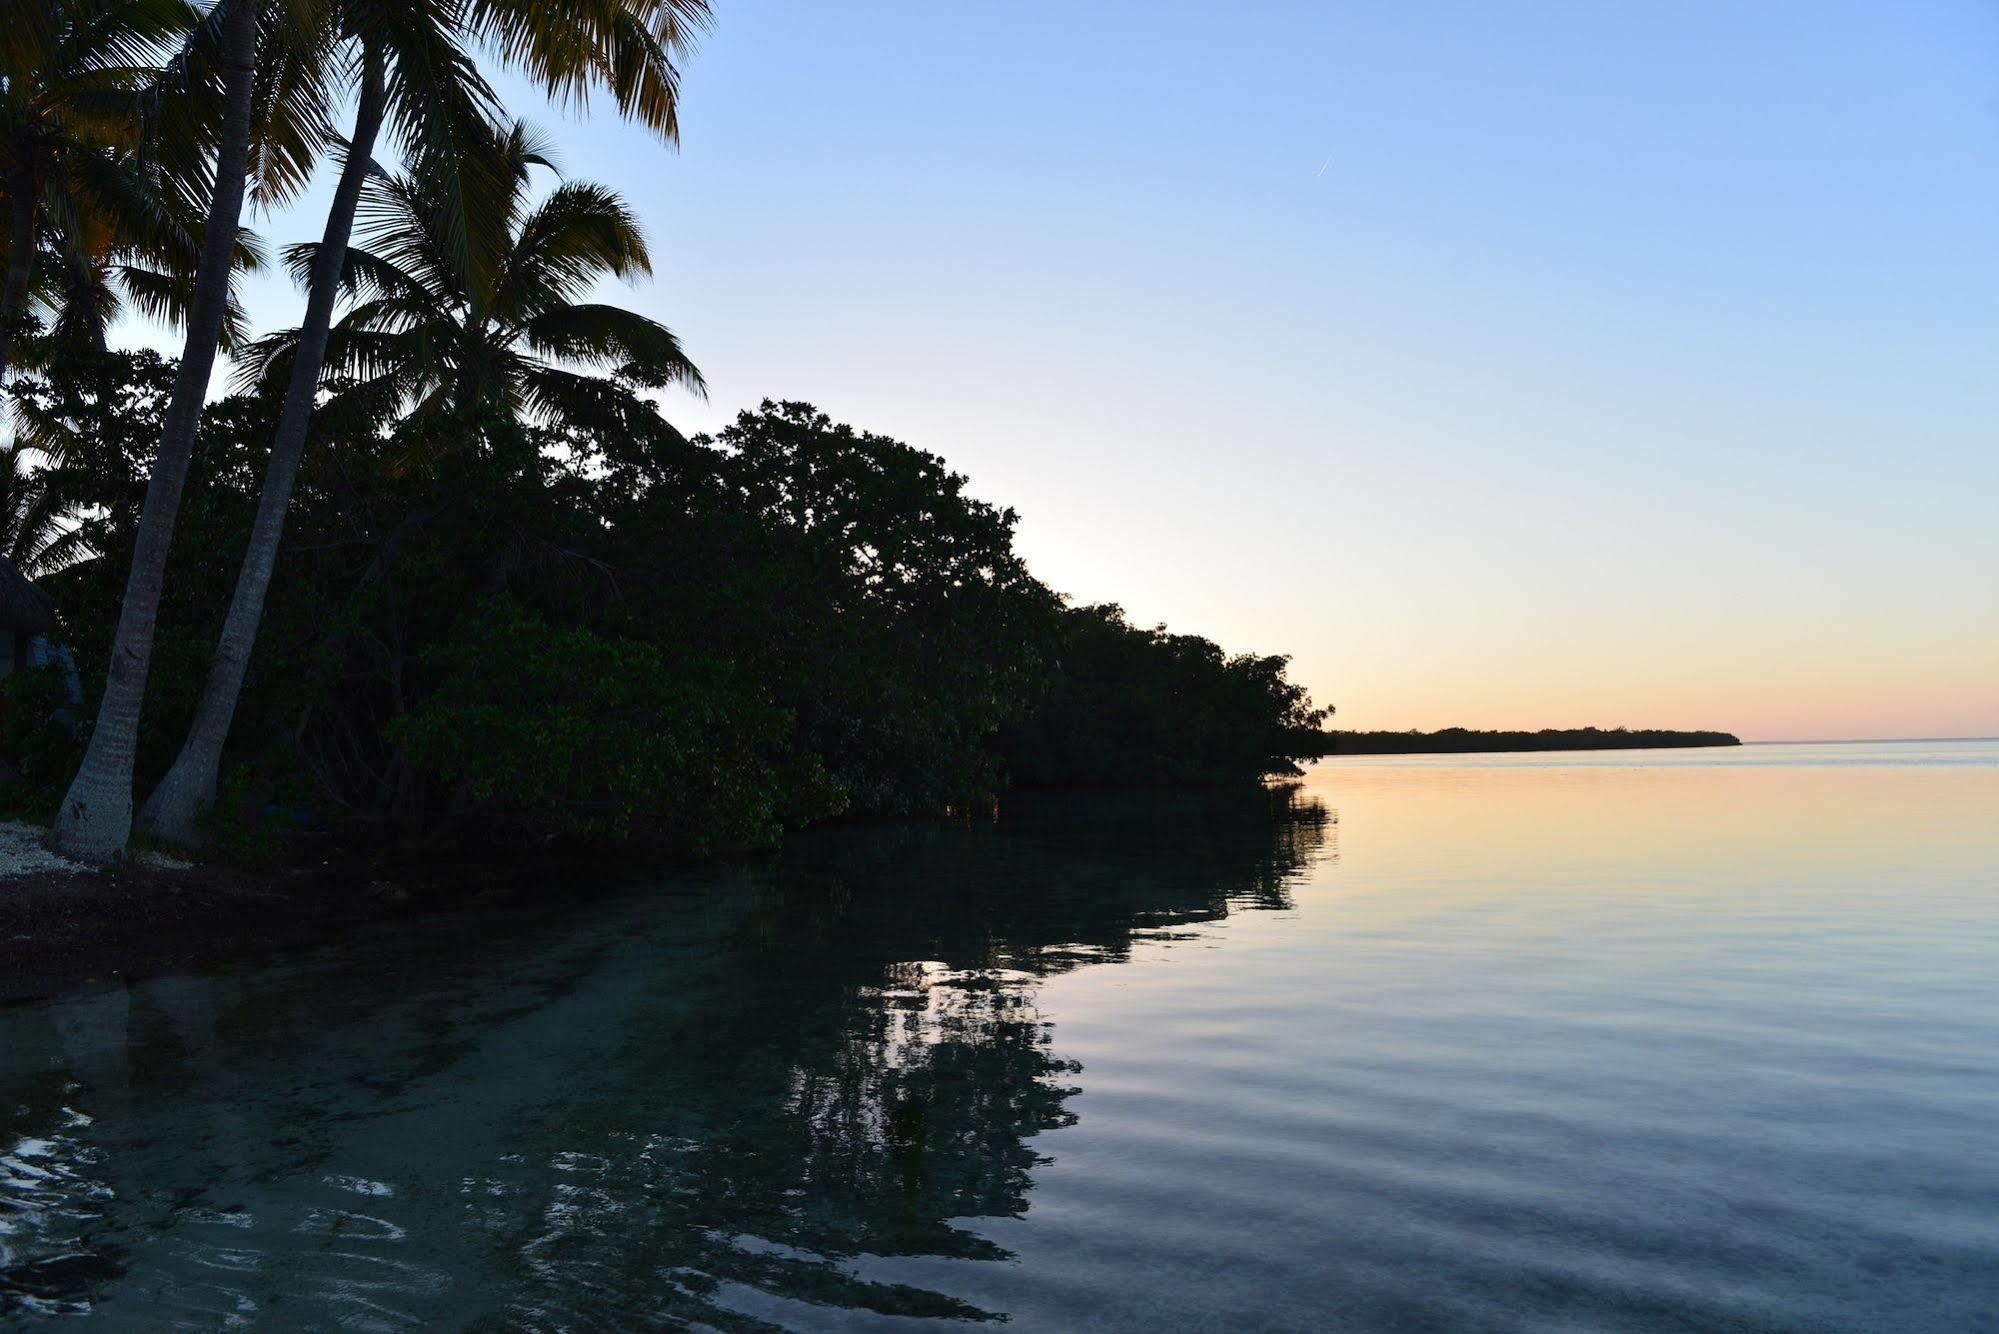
{"x": 1541, "y": 364}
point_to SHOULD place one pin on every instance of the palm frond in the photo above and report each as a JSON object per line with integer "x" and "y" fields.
{"x": 46, "y": 433}
{"x": 615, "y": 339}
{"x": 443, "y": 112}
{"x": 626, "y": 47}
{"x": 578, "y": 235}
{"x": 297, "y": 82}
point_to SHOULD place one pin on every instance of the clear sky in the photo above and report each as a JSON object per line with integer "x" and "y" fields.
{"x": 1544, "y": 364}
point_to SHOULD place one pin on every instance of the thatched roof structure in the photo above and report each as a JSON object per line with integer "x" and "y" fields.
{"x": 24, "y": 607}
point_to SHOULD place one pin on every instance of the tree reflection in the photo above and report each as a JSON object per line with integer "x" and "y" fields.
{"x": 702, "y": 1108}
{"x": 878, "y": 1068}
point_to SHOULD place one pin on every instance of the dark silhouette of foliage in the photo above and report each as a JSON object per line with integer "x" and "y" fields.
{"x": 1128, "y": 707}
{"x": 1460, "y": 741}
{"x": 38, "y": 736}
{"x": 588, "y": 733}
{"x": 903, "y": 628}
{"x": 592, "y": 625}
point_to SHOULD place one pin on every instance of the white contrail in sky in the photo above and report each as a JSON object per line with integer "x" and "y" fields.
{"x": 1323, "y": 165}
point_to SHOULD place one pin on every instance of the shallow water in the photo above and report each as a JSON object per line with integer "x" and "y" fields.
{"x": 1693, "y": 1040}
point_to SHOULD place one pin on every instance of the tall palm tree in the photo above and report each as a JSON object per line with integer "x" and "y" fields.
{"x": 408, "y": 68}
{"x": 72, "y": 78}
{"x": 628, "y": 46}
{"x": 95, "y": 818}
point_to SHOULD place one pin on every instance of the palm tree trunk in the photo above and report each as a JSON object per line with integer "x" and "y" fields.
{"x": 188, "y": 790}
{"x": 95, "y": 818}
{"x": 20, "y": 265}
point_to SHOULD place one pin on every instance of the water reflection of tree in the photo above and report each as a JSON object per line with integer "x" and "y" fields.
{"x": 878, "y": 1068}
{"x": 702, "y": 1109}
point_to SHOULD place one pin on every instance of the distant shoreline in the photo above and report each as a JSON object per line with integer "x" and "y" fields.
{"x": 1464, "y": 741}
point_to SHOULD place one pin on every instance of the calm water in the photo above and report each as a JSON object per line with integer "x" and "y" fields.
{"x": 1688, "y": 1041}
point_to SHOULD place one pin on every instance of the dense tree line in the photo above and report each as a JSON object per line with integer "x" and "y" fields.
{"x": 587, "y": 624}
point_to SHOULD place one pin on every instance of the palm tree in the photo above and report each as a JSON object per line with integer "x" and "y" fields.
{"x": 72, "y": 78}
{"x": 441, "y": 344}
{"x": 271, "y": 55}
{"x": 88, "y": 276}
{"x": 407, "y": 67}
{"x": 113, "y": 237}
{"x": 431, "y": 261}
{"x": 95, "y": 817}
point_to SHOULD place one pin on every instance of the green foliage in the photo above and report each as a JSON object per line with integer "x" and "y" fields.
{"x": 252, "y": 824}
{"x": 39, "y": 737}
{"x": 569, "y": 731}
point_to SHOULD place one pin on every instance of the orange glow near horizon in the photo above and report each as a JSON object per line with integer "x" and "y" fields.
{"x": 1832, "y": 700}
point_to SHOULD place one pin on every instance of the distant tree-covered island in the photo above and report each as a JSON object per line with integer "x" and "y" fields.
{"x": 1463, "y": 741}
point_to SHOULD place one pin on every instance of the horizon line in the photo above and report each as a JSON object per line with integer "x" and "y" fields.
{"x": 1856, "y": 740}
